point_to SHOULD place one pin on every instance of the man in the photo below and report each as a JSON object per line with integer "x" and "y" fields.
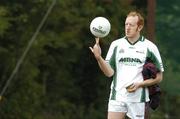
{"x": 124, "y": 62}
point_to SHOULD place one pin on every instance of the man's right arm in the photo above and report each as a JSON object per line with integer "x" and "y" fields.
{"x": 104, "y": 66}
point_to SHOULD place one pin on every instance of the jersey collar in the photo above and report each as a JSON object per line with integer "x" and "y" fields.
{"x": 141, "y": 38}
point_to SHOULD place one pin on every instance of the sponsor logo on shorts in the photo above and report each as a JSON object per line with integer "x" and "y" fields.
{"x": 139, "y": 115}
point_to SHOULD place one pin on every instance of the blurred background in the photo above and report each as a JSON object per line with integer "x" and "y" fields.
{"x": 58, "y": 77}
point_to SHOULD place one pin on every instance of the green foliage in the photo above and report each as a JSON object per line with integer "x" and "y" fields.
{"x": 167, "y": 30}
{"x": 59, "y": 78}
{"x": 169, "y": 22}
{"x": 4, "y": 20}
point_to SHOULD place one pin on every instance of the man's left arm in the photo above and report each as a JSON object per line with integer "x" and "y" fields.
{"x": 145, "y": 83}
{"x": 150, "y": 82}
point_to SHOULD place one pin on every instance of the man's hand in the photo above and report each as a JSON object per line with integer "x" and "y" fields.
{"x": 133, "y": 87}
{"x": 96, "y": 50}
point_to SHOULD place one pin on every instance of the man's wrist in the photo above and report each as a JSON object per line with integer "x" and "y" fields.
{"x": 98, "y": 58}
{"x": 142, "y": 84}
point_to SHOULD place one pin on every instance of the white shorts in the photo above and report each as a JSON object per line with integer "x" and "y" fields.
{"x": 134, "y": 110}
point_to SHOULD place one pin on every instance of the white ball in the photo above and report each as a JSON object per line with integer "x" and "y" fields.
{"x": 100, "y": 27}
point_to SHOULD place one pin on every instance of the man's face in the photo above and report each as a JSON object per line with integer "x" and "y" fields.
{"x": 131, "y": 27}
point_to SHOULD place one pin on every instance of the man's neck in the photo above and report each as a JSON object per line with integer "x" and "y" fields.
{"x": 134, "y": 39}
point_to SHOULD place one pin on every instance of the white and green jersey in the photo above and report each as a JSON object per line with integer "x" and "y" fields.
{"x": 127, "y": 60}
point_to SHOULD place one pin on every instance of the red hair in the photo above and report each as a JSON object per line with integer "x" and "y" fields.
{"x": 140, "y": 18}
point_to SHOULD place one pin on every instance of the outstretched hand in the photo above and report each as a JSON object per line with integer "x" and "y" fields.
{"x": 96, "y": 49}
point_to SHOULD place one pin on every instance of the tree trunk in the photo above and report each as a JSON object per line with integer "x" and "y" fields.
{"x": 151, "y": 6}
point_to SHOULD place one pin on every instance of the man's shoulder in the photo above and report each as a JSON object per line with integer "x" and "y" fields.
{"x": 149, "y": 43}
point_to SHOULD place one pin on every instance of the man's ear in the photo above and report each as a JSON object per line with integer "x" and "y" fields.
{"x": 140, "y": 27}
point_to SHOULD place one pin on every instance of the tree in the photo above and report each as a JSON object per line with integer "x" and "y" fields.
{"x": 151, "y": 7}
{"x": 167, "y": 32}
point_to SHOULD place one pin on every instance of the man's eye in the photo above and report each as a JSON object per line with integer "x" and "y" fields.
{"x": 128, "y": 24}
